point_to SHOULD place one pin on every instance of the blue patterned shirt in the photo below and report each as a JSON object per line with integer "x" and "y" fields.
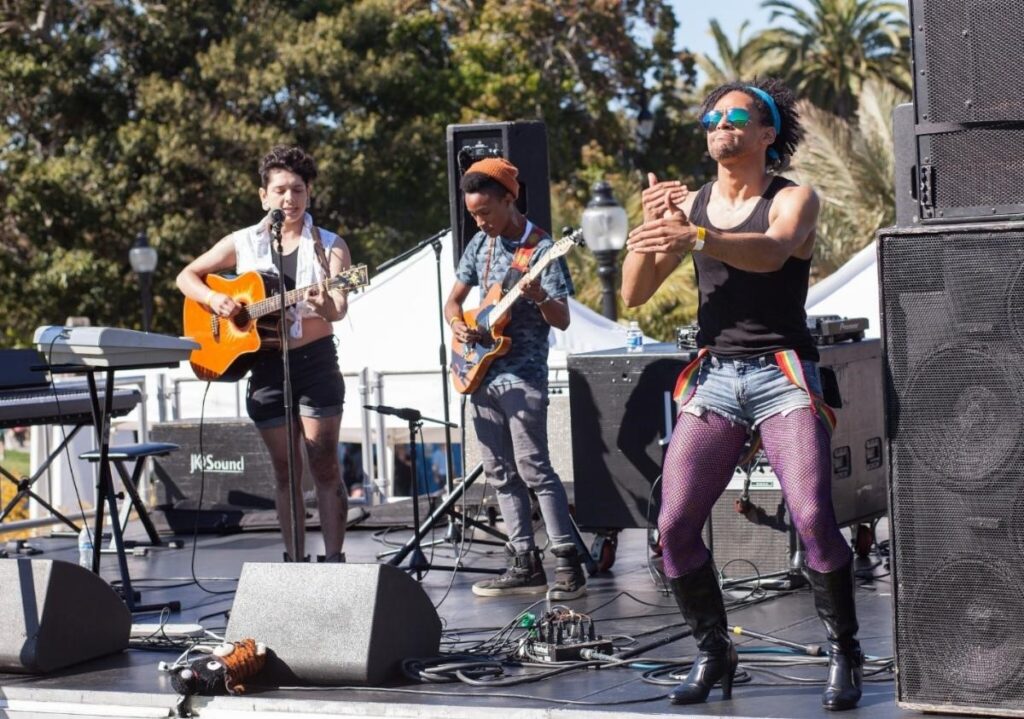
{"x": 528, "y": 358}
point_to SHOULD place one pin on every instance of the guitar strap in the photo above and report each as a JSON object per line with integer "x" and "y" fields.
{"x": 318, "y": 246}
{"x": 521, "y": 259}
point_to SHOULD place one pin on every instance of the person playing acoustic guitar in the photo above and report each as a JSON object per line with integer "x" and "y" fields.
{"x": 310, "y": 254}
{"x": 509, "y": 408}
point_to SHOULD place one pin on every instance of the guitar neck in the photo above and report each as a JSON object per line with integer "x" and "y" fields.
{"x": 513, "y": 295}
{"x": 273, "y": 304}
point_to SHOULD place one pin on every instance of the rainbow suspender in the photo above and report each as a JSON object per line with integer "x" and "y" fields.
{"x": 788, "y": 361}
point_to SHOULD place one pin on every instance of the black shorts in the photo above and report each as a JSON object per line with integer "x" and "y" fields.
{"x": 318, "y": 389}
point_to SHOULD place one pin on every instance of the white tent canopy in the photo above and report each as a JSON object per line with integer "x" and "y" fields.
{"x": 850, "y": 291}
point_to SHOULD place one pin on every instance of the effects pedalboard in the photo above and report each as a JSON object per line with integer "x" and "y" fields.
{"x": 563, "y": 635}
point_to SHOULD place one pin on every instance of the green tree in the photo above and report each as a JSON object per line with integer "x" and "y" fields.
{"x": 831, "y": 49}
{"x": 133, "y": 115}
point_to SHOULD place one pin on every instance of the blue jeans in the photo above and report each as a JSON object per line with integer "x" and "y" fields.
{"x": 749, "y": 390}
{"x": 511, "y": 422}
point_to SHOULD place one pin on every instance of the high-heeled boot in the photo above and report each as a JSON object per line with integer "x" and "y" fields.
{"x": 833, "y": 598}
{"x": 700, "y": 600}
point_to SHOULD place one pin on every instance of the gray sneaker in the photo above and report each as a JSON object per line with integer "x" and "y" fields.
{"x": 570, "y": 581}
{"x": 525, "y": 575}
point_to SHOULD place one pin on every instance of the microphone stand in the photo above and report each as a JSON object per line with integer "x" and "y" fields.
{"x": 277, "y": 219}
{"x": 435, "y": 241}
{"x": 418, "y": 562}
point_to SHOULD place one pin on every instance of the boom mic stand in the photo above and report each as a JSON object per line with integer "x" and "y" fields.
{"x": 435, "y": 242}
{"x": 418, "y": 563}
{"x": 276, "y": 221}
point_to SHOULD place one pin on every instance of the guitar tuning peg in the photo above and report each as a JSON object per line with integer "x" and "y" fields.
{"x": 566, "y": 230}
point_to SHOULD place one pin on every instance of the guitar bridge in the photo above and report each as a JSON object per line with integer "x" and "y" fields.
{"x": 215, "y": 327}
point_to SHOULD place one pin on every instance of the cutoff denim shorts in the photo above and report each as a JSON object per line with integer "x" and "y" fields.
{"x": 749, "y": 390}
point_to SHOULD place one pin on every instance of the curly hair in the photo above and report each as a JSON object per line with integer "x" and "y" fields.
{"x": 791, "y": 132}
{"x": 291, "y": 158}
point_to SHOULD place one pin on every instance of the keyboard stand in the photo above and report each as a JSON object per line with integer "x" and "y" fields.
{"x": 105, "y": 494}
{"x": 25, "y": 485}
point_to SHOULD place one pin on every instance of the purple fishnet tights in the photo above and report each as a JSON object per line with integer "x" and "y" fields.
{"x": 700, "y": 461}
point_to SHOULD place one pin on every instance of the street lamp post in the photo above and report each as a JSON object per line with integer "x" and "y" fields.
{"x": 605, "y": 226}
{"x": 143, "y": 259}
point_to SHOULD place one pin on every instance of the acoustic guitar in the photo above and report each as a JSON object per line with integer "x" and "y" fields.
{"x": 229, "y": 345}
{"x": 470, "y": 361}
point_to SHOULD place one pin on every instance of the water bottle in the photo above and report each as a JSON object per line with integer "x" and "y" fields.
{"x": 85, "y": 548}
{"x": 634, "y": 337}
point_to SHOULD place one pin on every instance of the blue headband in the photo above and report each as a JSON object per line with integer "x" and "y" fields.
{"x": 776, "y": 118}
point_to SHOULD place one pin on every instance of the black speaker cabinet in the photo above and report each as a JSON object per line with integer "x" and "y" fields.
{"x": 333, "y": 623}
{"x": 969, "y": 98}
{"x": 239, "y": 476}
{"x": 524, "y": 144}
{"x": 55, "y": 614}
{"x": 953, "y": 323}
{"x": 623, "y": 413}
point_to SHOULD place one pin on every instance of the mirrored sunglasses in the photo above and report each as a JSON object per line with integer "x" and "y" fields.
{"x": 735, "y": 116}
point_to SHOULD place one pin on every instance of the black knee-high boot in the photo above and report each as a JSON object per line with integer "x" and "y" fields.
{"x": 833, "y": 598}
{"x": 700, "y": 600}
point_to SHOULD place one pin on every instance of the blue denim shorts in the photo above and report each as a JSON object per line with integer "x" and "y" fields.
{"x": 749, "y": 390}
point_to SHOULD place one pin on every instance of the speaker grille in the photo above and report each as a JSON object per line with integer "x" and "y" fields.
{"x": 956, "y": 410}
{"x": 972, "y": 50}
{"x": 980, "y": 599}
{"x": 976, "y": 167}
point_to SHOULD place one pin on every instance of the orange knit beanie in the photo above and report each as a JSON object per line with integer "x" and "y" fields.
{"x": 500, "y": 170}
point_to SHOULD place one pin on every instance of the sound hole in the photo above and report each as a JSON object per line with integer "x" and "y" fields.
{"x": 964, "y": 620}
{"x": 241, "y": 320}
{"x": 961, "y": 418}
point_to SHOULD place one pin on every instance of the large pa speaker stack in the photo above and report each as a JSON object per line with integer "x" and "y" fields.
{"x": 953, "y": 311}
{"x": 952, "y": 284}
{"x": 966, "y": 136}
{"x": 524, "y": 144}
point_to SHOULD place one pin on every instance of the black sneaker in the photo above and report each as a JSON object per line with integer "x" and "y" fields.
{"x": 570, "y": 581}
{"x": 525, "y": 575}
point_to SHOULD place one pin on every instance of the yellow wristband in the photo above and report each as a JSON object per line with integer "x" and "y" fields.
{"x": 209, "y": 296}
{"x": 698, "y": 244}
{"x": 453, "y": 319}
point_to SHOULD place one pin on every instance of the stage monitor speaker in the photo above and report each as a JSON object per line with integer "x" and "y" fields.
{"x": 622, "y": 416}
{"x": 333, "y": 623}
{"x": 524, "y": 144}
{"x": 969, "y": 97}
{"x": 953, "y": 324}
{"x": 55, "y": 614}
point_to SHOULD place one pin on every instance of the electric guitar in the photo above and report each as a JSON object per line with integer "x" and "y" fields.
{"x": 228, "y": 345}
{"x": 471, "y": 360}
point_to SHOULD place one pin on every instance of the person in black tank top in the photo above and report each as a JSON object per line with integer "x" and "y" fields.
{"x": 751, "y": 235}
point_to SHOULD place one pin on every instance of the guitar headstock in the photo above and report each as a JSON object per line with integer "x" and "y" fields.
{"x": 570, "y": 238}
{"x": 351, "y": 279}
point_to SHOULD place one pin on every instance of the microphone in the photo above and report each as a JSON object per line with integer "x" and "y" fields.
{"x": 276, "y": 216}
{"x": 406, "y": 413}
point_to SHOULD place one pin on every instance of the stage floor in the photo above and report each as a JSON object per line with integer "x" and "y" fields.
{"x": 624, "y": 602}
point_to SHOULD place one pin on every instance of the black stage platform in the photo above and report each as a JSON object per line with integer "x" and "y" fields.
{"x": 624, "y": 602}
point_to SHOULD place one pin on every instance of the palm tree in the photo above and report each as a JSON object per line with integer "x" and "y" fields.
{"x": 851, "y": 164}
{"x": 742, "y": 61}
{"x": 832, "y": 49}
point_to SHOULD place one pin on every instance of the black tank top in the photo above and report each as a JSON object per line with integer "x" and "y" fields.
{"x": 746, "y": 314}
{"x": 289, "y": 268}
